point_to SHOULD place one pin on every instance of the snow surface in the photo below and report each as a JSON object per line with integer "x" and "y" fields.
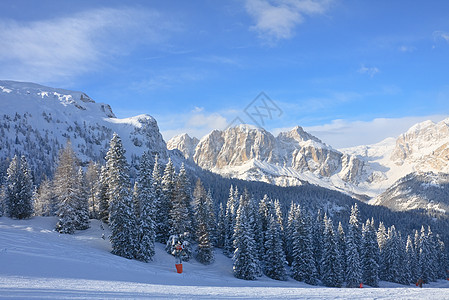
{"x": 38, "y": 263}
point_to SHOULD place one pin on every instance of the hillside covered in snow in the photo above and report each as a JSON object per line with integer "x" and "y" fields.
{"x": 37, "y": 262}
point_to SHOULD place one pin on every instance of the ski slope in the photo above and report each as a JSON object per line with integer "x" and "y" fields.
{"x": 38, "y": 263}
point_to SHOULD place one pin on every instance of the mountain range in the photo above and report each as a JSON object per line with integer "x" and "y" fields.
{"x": 403, "y": 173}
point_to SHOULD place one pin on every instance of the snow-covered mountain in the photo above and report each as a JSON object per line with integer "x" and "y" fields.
{"x": 296, "y": 156}
{"x": 37, "y": 121}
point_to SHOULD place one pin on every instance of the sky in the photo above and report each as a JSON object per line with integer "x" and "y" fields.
{"x": 350, "y": 72}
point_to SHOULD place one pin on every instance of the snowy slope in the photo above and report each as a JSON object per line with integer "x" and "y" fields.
{"x": 37, "y": 121}
{"x": 36, "y": 262}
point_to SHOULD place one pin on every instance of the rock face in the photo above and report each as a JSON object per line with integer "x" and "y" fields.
{"x": 37, "y": 121}
{"x": 296, "y": 156}
{"x": 253, "y": 153}
{"x": 183, "y": 143}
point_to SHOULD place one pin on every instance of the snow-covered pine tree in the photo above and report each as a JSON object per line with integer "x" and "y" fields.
{"x": 303, "y": 263}
{"x": 164, "y": 204}
{"x": 82, "y": 208}
{"x": 92, "y": 182}
{"x": 145, "y": 223}
{"x": 356, "y": 222}
{"x": 318, "y": 229}
{"x": 381, "y": 242}
{"x": 102, "y": 195}
{"x": 291, "y": 223}
{"x": 443, "y": 264}
{"x": 180, "y": 219}
{"x": 411, "y": 261}
{"x": 205, "y": 253}
{"x": 159, "y": 207}
{"x": 254, "y": 221}
{"x": 230, "y": 220}
{"x": 274, "y": 258}
{"x": 264, "y": 217}
{"x": 212, "y": 219}
{"x": 330, "y": 261}
{"x": 45, "y": 201}
{"x": 66, "y": 189}
{"x": 341, "y": 238}
{"x": 221, "y": 231}
{"x": 353, "y": 264}
{"x": 433, "y": 250}
{"x": 136, "y": 201}
{"x": 121, "y": 212}
{"x": 392, "y": 258}
{"x": 18, "y": 190}
{"x": 245, "y": 262}
{"x": 370, "y": 253}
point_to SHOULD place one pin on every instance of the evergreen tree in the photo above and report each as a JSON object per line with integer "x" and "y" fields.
{"x": 205, "y": 253}
{"x": 92, "y": 182}
{"x": 221, "y": 230}
{"x": 391, "y": 257}
{"x": 289, "y": 230}
{"x": 370, "y": 253}
{"x": 318, "y": 230}
{"x": 353, "y": 264}
{"x": 146, "y": 198}
{"x": 274, "y": 258}
{"x": 411, "y": 261}
{"x": 211, "y": 219}
{"x": 18, "y": 190}
{"x": 303, "y": 263}
{"x": 381, "y": 242}
{"x": 356, "y": 223}
{"x": 102, "y": 196}
{"x": 245, "y": 262}
{"x": 341, "y": 239}
{"x": 330, "y": 261}
{"x": 82, "y": 207}
{"x": 229, "y": 224}
{"x": 180, "y": 220}
{"x": 66, "y": 189}
{"x": 168, "y": 194}
{"x": 121, "y": 211}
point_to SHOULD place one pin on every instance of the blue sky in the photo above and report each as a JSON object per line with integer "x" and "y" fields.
{"x": 350, "y": 72}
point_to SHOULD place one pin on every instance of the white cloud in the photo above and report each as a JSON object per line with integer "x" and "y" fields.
{"x": 57, "y": 49}
{"x": 196, "y": 123}
{"x": 276, "y": 20}
{"x": 342, "y": 133}
{"x": 441, "y": 35}
{"x": 404, "y": 48}
{"x": 371, "y": 71}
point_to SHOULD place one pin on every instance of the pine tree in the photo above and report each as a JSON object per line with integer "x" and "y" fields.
{"x": 291, "y": 223}
{"x": 66, "y": 187}
{"x": 221, "y": 230}
{"x": 146, "y": 198}
{"x": 410, "y": 261}
{"x": 381, "y": 242}
{"x": 274, "y": 258}
{"x": 391, "y": 258}
{"x": 245, "y": 262}
{"x": 330, "y": 261}
{"x": 303, "y": 263}
{"x": 166, "y": 199}
{"x": 82, "y": 207}
{"x": 19, "y": 190}
{"x": 180, "y": 220}
{"x": 92, "y": 182}
{"x": 353, "y": 264}
{"x": 205, "y": 254}
{"x": 341, "y": 238}
{"x": 356, "y": 223}
{"x": 318, "y": 230}
{"x": 102, "y": 196}
{"x": 229, "y": 224}
{"x": 212, "y": 219}
{"x": 370, "y": 253}
{"x": 121, "y": 212}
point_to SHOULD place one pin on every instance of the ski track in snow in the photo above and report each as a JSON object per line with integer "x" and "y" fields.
{"x": 38, "y": 263}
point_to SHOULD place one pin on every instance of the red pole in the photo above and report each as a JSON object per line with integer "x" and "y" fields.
{"x": 361, "y": 285}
